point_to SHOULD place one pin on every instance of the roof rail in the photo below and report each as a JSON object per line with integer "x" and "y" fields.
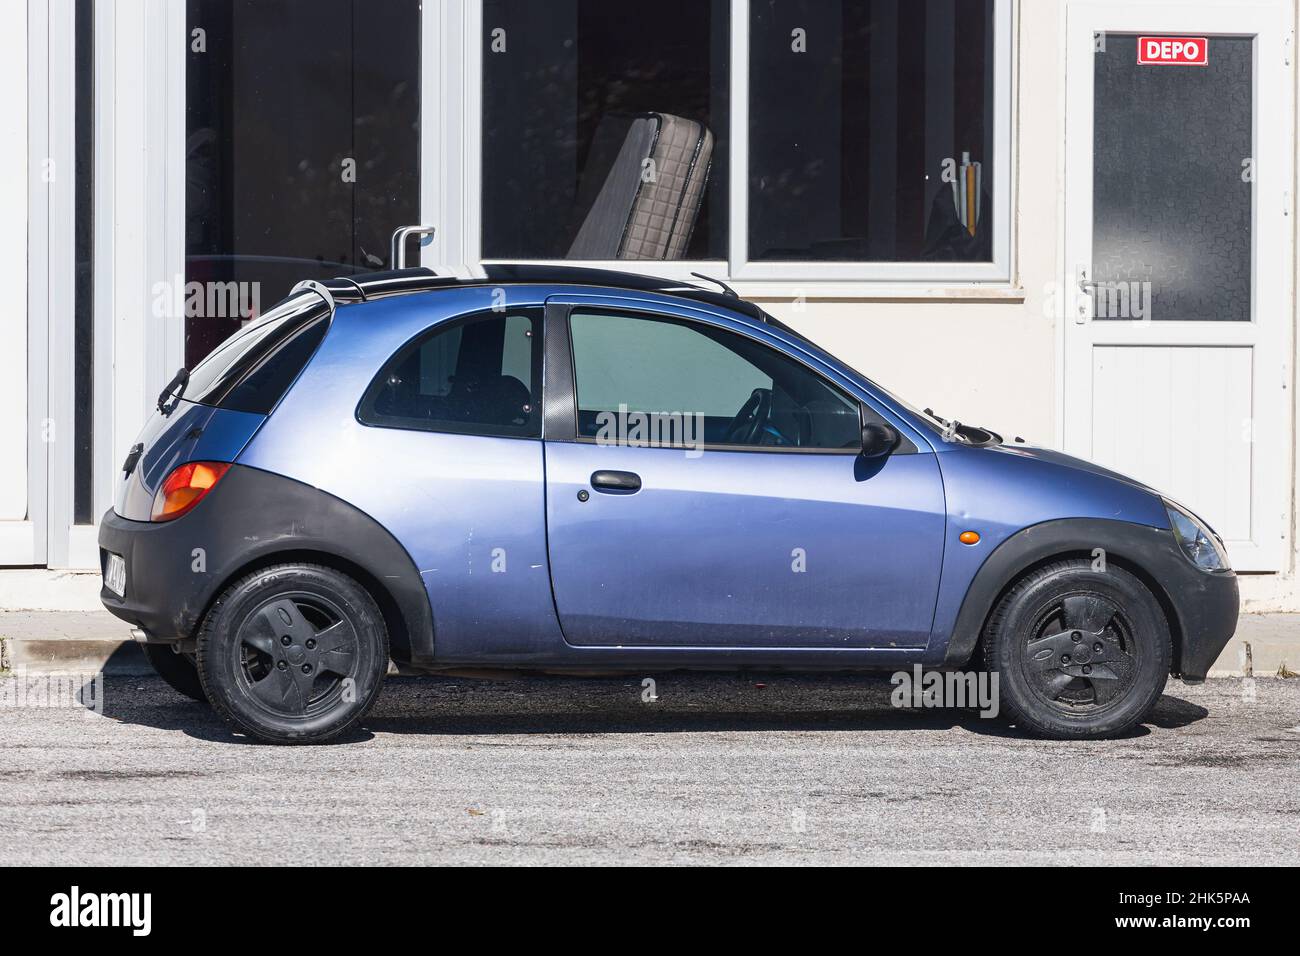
{"x": 369, "y": 285}
{"x": 311, "y": 285}
{"x": 581, "y": 275}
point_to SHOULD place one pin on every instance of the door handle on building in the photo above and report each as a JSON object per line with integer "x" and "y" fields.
{"x": 1083, "y": 305}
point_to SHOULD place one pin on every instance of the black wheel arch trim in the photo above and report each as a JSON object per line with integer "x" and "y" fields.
{"x": 255, "y": 519}
{"x": 1201, "y": 607}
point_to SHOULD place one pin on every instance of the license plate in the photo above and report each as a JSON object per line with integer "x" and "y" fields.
{"x": 115, "y": 574}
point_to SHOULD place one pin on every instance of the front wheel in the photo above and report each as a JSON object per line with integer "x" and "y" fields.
{"x": 1079, "y": 652}
{"x": 294, "y": 653}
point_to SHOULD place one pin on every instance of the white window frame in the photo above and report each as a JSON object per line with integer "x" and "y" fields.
{"x": 451, "y": 182}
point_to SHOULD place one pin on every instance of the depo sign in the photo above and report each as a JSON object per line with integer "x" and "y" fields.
{"x": 1174, "y": 51}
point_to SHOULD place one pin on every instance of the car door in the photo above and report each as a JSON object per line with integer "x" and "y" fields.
{"x": 705, "y": 489}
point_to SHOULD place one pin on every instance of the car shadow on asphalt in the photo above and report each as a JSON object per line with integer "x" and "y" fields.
{"x": 594, "y": 706}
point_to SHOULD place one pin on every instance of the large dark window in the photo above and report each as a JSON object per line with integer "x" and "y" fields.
{"x": 605, "y": 129}
{"x": 83, "y": 348}
{"x": 302, "y": 151}
{"x": 871, "y": 130}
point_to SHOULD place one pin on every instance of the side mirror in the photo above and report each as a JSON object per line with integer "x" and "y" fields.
{"x": 878, "y": 439}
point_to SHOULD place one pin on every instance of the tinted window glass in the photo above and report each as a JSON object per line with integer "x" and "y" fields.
{"x": 732, "y": 389}
{"x": 302, "y": 149}
{"x": 897, "y": 164}
{"x": 265, "y": 356}
{"x": 83, "y": 346}
{"x": 266, "y": 384}
{"x": 608, "y": 123}
{"x": 479, "y": 376}
{"x": 1163, "y": 249}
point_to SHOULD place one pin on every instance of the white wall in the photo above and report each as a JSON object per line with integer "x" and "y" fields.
{"x": 13, "y": 252}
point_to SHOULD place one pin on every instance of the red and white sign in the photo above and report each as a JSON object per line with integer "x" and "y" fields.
{"x": 1174, "y": 51}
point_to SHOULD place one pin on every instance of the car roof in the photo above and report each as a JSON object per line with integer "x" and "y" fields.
{"x": 372, "y": 285}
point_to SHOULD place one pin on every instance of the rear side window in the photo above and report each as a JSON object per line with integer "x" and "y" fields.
{"x": 479, "y": 376}
{"x": 252, "y": 370}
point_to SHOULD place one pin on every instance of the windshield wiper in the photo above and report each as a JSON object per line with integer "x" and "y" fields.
{"x": 174, "y": 390}
{"x": 970, "y": 434}
{"x": 952, "y": 430}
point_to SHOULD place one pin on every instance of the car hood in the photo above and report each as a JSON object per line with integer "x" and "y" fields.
{"x": 1069, "y": 461}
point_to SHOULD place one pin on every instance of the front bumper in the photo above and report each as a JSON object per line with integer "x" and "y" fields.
{"x": 1206, "y": 605}
{"x": 1202, "y": 606}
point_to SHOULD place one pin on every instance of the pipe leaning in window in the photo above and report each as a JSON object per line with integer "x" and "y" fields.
{"x": 397, "y": 260}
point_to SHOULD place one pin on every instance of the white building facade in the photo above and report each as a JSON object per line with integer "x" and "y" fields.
{"x": 1067, "y": 220}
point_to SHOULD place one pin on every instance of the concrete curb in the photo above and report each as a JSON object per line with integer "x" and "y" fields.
{"x": 1265, "y": 645}
{"x": 37, "y": 642}
{"x": 111, "y": 657}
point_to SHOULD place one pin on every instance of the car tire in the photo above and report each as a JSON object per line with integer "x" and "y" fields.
{"x": 178, "y": 670}
{"x": 294, "y": 653}
{"x": 1080, "y": 652}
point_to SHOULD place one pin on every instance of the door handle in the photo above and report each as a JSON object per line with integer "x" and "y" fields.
{"x": 616, "y": 482}
{"x": 1084, "y": 302}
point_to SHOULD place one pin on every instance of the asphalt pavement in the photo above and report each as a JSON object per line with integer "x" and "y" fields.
{"x": 706, "y": 769}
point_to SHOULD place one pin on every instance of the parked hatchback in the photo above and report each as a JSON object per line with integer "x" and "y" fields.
{"x": 561, "y": 470}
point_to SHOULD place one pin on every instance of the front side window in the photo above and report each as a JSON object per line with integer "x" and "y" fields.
{"x": 871, "y": 131}
{"x": 479, "y": 376}
{"x": 605, "y": 129}
{"x": 659, "y": 381}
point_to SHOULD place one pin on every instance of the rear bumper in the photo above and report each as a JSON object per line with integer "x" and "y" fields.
{"x": 158, "y": 575}
{"x": 176, "y": 569}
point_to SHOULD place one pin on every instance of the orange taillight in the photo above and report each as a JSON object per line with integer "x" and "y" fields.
{"x": 185, "y": 488}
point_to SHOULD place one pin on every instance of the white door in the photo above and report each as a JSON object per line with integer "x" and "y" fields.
{"x": 1178, "y": 255}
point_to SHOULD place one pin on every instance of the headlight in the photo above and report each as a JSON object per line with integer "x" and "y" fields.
{"x": 1198, "y": 541}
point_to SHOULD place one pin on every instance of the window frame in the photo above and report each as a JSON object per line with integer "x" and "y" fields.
{"x": 562, "y": 329}
{"x": 364, "y": 411}
{"x": 451, "y": 177}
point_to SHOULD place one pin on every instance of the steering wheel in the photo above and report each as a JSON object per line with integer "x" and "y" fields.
{"x": 748, "y": 423}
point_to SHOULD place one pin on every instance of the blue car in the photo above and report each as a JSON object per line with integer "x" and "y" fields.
{"x": 567, "y": 470}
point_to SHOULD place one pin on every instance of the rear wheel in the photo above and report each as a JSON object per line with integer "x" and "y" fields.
{"x": 293, "y": 653}
{"x": 1079, "y": 652}
{"x": 178, "y": 670}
